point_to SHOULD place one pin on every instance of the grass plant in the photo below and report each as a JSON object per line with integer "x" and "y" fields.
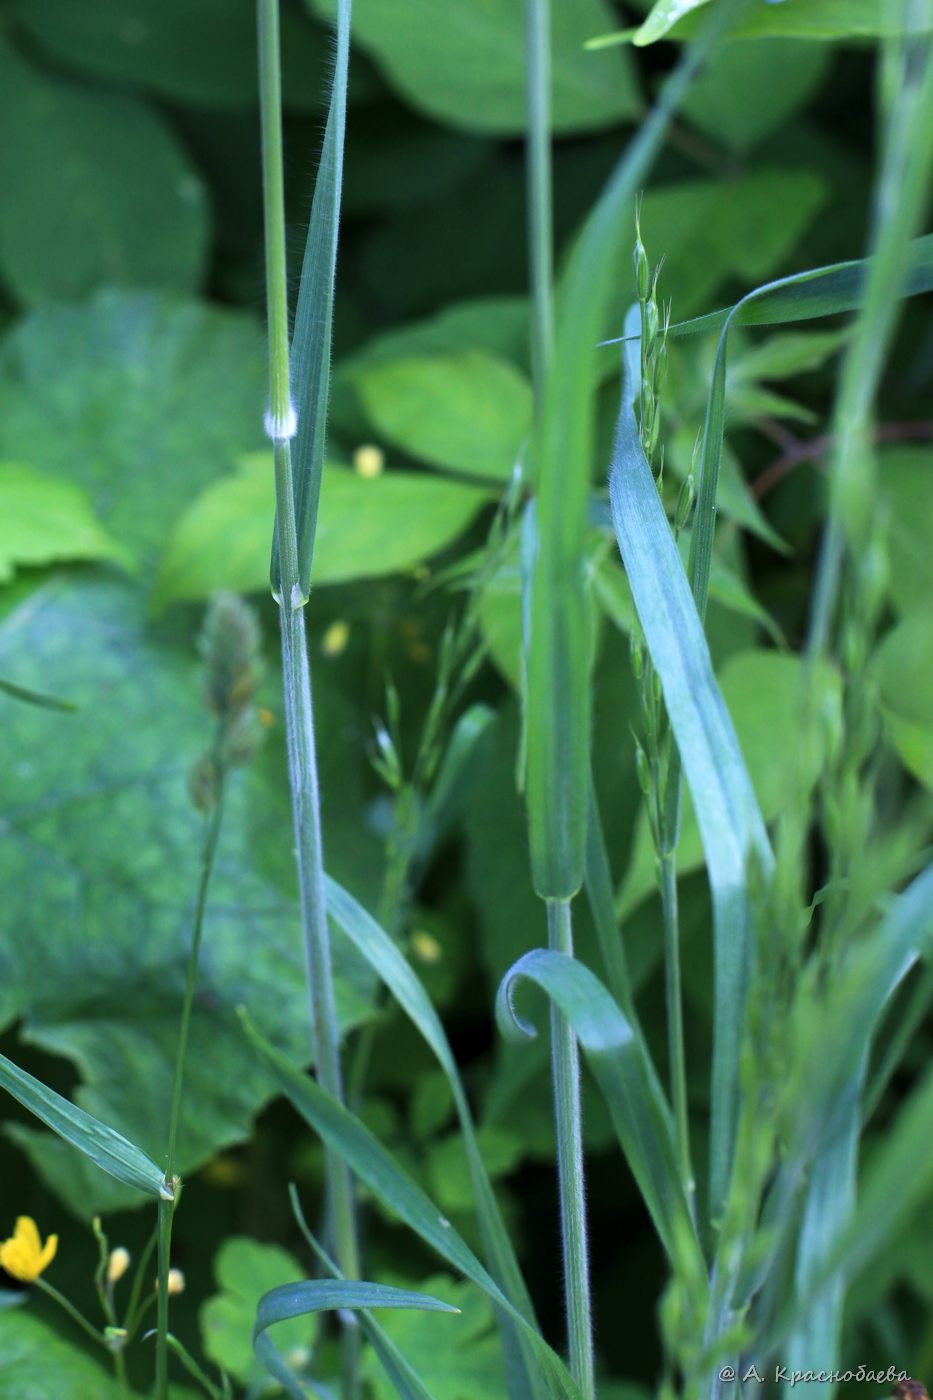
{"x": 820, "y": 904}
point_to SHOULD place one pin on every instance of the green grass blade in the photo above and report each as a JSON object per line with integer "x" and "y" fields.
{"x": 36, "y": 697}
{"x": 730, "y": 822}
{"x": 806, "y": 296}
{"x": 901, "y": 198}
{"x": 396, "y": 972}
{"x": 616, "y": 1054}
{"x": 323, "y": 1295}
{"x": 558, "y": 659}
{"x": 377, "y": 1169}
{"x": 828, "y": 1210}
{"x": 896, "y": 1182}
{"x": 312, "y": 334}
{"x": 401, "y": 1373}
{"x": 106, "y": 1148}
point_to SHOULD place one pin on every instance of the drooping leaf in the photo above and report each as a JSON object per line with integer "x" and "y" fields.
{"x": 245, "y": 1270}
{"x": 97, "y": 173}
{"x": 107, "y": 1149}
{"x": 324, "y": 1295}
{"x": 469, "y": 1367}
{"x": 616, "y": 1054}
{"x": 374, "y": 1165}
{"x": 366, "y": 529}
{"x": 727, "y": 810}
{"x": 400, "y": 978}
{"x": 469, "y": 71}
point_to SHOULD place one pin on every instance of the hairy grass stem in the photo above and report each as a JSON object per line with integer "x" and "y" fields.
{"x": 299, "y": 716}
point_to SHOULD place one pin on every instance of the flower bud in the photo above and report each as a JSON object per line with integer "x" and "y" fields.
{"x": 117, "y": 1264}
{"x": 369, "y": 461}
{"x": 640, "y": 262}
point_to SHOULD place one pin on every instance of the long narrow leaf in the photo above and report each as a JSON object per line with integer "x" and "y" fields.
{"x": 824, "y": 291}
{"x": 558, "y": 652}
{"x": 728, "y": 816}
{"x": 106, "y": 1148}
{"x": 401, "y": 1373}
{"x": 311, "y": 339}
{"x": 377, "y": 1169}
{"x": 398, "y": 975}
{"x": 625, "y": 1075}
{"x": 324, "y": 1295}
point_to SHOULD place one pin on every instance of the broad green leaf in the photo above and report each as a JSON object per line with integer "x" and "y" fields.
{"x": 107, "y": 1149}
{"x": 366, "y": 529}
{"x": 468, "y": 412}
{"x": 36, "y": 1362}
{"x": 555, "y": 602}
{"x": 139, "y": 400}
{"x": 201, "y": 54}
{"x": 43, "y": 519}
{"x": 805, "y": 19}
{"x": 729, "y": 818}
{"x": 905, "y": 476}
{"x": 628, "y": 1081}
{"x": 761, "y": 690}
{"x": 379, "y": 1171}
{"x": 100, "y": 175}
{"x": 245, "y": 1270}
{"x": 324, "y": 1295}
{"x": 785, "y": 355}
{"x": 310, "y": 350}
{"x": 468, "y": 68}
{"x": 902, "y": 669}
{"x": 467, "y": 1367}
{"x": 748, "y": 90}
{"x": 93, "y": 953}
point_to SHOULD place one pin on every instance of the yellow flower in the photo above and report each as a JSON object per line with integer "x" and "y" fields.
{"x": 24, "y": 1255}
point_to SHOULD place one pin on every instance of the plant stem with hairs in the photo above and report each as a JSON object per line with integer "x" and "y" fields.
{"x": 299, "y": 717}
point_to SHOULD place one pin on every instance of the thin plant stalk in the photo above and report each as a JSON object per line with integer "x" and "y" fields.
{"x": 667, "y": 875}
{"x": 538, "y": 182}
{"x": 568, "y": 1118}
{"x": 565, "y": 1064}
{"x": 167, "y": 1208}
{"x": 299, "y": 715}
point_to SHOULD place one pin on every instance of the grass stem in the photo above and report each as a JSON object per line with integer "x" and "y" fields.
{"x": 538, "y": 178}
{"x": 299, "y": 715}
{"x": 565, "y": 1064}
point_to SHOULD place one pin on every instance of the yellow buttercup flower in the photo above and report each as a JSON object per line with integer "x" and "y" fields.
{"x": 24, "y": 1256}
